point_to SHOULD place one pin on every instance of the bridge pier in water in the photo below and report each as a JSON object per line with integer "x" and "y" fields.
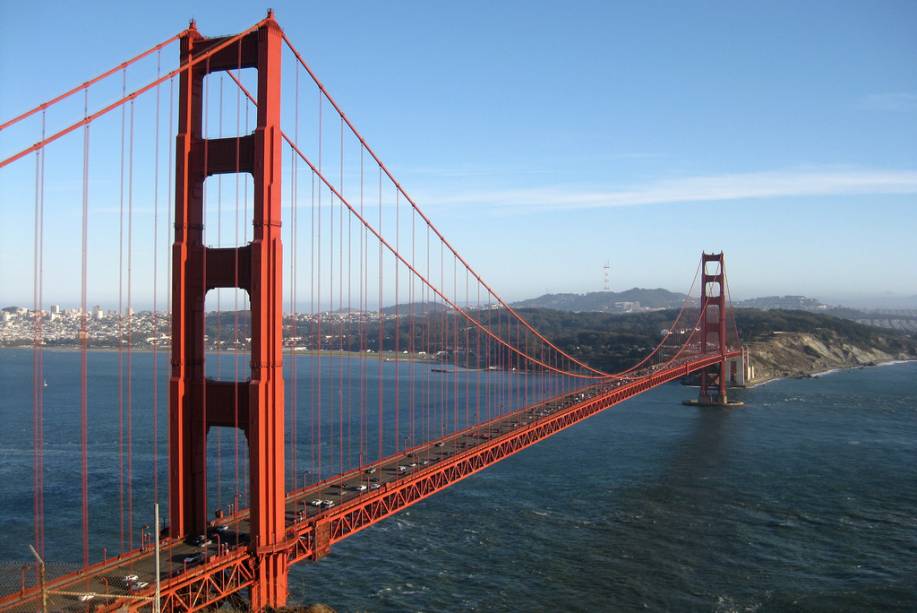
{"x": 197, "y": 403}
{"x": 713, "y": 381}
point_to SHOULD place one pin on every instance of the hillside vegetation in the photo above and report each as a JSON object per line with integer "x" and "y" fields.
{"x": 604, "y": 301}
{"x": 782, "y": 343}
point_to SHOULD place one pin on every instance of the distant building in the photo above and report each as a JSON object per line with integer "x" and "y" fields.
{"x": 98, "y": 313}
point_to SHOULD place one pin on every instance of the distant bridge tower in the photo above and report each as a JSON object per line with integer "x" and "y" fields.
{"x": 197, "y": 403}
{"x": 713, "y": 327}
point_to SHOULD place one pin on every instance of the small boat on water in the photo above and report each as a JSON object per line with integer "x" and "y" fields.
{"x": 439, "y": 370}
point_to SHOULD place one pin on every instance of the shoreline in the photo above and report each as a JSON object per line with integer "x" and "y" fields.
{"x": 286, "y": 351}
{"x": 830, "y": 371}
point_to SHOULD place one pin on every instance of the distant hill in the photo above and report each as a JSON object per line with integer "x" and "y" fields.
{"x": 419, "y": 308}
{"x": 634, "y": 299}
{"x": 783, "y": 343}
{"x": 792, "y": 303}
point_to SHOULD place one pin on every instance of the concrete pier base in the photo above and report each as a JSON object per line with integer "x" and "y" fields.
{"x": 729, "y": 404}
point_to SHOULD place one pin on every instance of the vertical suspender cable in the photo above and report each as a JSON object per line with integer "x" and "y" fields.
{"x": 455, "y": 344}
{"x": 121, "y": 321}
{"x": 430, "y": 314}
{"x": 155, "y": 315}
{"x": 363, "y": 281}
{"x": 467, "y": 355}
{"x": 349, "y": 311}
{"x": 235, "y": 301}
{"x": 350, "y": 320}
{"x": 341, "y": 308}
{"x": 444, "y": 340}
{"x": 396, "y": 328}
{"x": 480, "y": 364}
{"x": 314, "y": 332}
{"x": 169, "y": 208}
{"x": 203, "y": 250}
{"x": 130, "y": 332}
{"x": 38, "y": 377}
{"x": 294, "y": 367}
{"x": 379, "y": 423}
{"x": 332, "y": 457}
{"x": 218, "y": 349}
{"x": 318, "y": 317}
{"x": 84, "y": 342}
{"x": 413, "y": 348}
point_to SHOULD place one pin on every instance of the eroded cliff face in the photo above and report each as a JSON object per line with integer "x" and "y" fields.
{"x": 793, "y": 354}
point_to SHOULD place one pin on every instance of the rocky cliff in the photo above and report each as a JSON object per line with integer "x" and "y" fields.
{"x": 794, "y": 354}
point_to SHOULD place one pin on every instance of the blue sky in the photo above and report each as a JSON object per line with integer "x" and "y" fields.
{"x": 547, "y": 138}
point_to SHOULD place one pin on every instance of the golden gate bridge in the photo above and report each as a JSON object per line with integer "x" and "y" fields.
{"x": 396, "y": 372}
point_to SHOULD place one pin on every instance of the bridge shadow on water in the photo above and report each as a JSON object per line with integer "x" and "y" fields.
{"x": 674, "y": 530}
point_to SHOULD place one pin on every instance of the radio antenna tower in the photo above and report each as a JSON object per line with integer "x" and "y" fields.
{"x": 606, "y": 269}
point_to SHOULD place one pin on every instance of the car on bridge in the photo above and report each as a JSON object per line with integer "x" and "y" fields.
{"x": 193, "y": 558}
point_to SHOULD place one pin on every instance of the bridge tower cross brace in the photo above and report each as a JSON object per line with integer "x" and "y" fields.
{"x": 197, "y": 403}
{"x": 713, "y": 326}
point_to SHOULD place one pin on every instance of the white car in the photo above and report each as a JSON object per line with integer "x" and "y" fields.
{"x": 402, "y": 468}
{"x": 87, "y": 596}
{"x": 130, "y": 578}
{"x": 317, "y": 502}
{"x": 374, "y": 486}
{"x": 327, "y": 504}
{"x": 136, "y": 586}
{"x": 360, "y": 488}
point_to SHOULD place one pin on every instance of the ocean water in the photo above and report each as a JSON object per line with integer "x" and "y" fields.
{"x": 803, "y": 500}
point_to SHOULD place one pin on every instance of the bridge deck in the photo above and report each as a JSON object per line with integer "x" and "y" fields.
{"x": 194, "y": 577}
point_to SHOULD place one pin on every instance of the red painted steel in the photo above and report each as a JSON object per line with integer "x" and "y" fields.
{"x": 196, "y": 402}
{"x": 181, "y": 70}
{"x": 266, "y": 432}
{"x": 85, "y": 85}
{"x": 716, "y": 279}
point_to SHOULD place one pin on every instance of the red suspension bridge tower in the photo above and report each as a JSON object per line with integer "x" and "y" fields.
{"x": 197, "y": 403}
{"x": 713, "y": 380}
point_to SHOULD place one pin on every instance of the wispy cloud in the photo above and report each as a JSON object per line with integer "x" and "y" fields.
{"x": 470, "y": 171}
{"x": 741, "y": 186}
{"x": 889, "y": 101}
